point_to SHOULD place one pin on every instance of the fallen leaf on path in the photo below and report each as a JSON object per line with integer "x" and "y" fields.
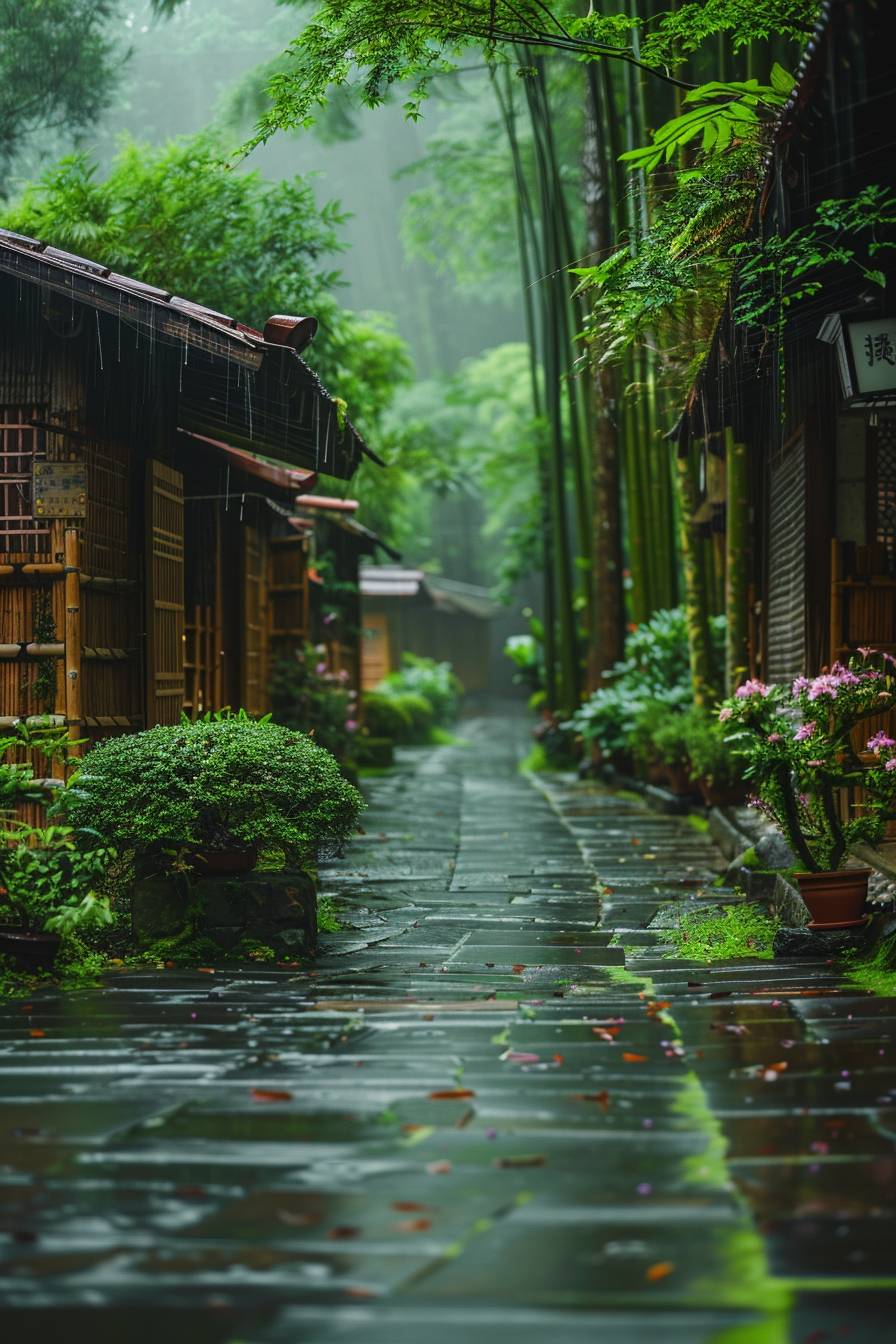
{"x": 606, "y": 1033}
{"x": 535, "y": 1160}
{"x": 36, "y": 1032}
{"x": 630, "y": 1058}
{"x": 661, "y": 1270}
{"x": 269, "y": 1094}
{"x": 558, "y": 1059}
{"x": 518, "y": 968}
{"x": 520, "y": 1057}
{"x": 408, "y": 1206}
{"x": 414, "y": 1225}
{"x": 452, "y": 1094}
{"x": 438, "y": 1168}
{"x": 343, "y": 1233}
{"x": 601, "y": 1098}
{"x": 297, "y": 1219}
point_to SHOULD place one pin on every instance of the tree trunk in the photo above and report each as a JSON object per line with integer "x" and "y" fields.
{"x": 607, "y": 623}
{"x": 696, "y": 603}
{"x": 736, "y": 562}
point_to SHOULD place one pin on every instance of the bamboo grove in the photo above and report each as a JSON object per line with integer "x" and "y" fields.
{"x": 624, "y": 254}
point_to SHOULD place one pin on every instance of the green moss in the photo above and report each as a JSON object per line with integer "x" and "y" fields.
{"x": 535, "y": 760}
{"x": 734, "y": 931}
{"x": 697, "y": 823}
{"x": 876, "y": 974}
{"x": 250, "y": 949}
{"x": 750, "y": 859}
{"x": 621, "y": 975}
{"x": 628, "y": 795}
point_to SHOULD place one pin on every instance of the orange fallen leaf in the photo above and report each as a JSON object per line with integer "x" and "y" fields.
{"x": 408, "y": 1206}
{"x": 629, "y": 1058}
{"x": 36, "y": 1032}
{"x": 558, "y": 1059}
{"x": 452, "y": 1094}
{"x": 777, "y": 1068}
{"x": 269, "y": 1094}
{"x": 535, "y": 1160}
{"x": 206, "y": 970}
{"x": 343, "y": 1233}
{"x": 601, "y": 1098}
{"x": 414, "y": 1225}
{"x": 605, "y": 1033}
{"x": 661, "y": 1270}
{"x": 518, "y": 968}
{"x": 440, "y": 1168}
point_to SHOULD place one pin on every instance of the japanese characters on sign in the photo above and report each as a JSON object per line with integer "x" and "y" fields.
{"x": 60, "y": 490}
{"x": 873, "y": 346}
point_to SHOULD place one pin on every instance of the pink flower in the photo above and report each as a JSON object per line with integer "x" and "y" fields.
{"x": 343, "y": 674}
{"x": 329, "y": 618}
{"x": 888, "y": 658}
{"x": 320, "y": 669}
{"x": 805, "y": 731}
{"x": 751, "y": 687}
{"x": 816, "y": 764}
{"x": 890, "y": 764}
{"x": 865, "y": 651}
{"x": 878, "y": 742}
{"x": 801, "y": 684}
{"x": 725, "y": 713}
{"x": 775, "y": 737}
{"x": 351, "y": 726}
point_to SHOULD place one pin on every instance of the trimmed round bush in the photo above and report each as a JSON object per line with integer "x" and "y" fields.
{"x": 213, "y": 784}
{"x": 384, "y": 716}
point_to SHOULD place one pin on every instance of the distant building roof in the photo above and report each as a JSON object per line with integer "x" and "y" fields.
{"x": 271, "y": 403}
{"x": 448, "y": 595}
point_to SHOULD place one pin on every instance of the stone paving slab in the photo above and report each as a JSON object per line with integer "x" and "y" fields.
{"x": 473, "y": 1116}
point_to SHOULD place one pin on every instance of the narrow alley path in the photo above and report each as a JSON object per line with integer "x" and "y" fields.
{"x": 471, "y": 1120}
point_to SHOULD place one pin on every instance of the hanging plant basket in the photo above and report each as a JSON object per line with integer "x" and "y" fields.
{"x": 835, "y": 900}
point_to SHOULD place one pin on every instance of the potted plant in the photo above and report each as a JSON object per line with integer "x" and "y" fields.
{"x": 796, "y": 742}
{"x": 211, "y": 793}
{"x": 670, "y": 740}
{"x": 46, "y": 890}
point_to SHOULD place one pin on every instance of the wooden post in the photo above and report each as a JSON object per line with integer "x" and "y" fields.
{"x": 737, "y": 655}
{"x": 695, "y": 593}
{"x": 72, "y": 637}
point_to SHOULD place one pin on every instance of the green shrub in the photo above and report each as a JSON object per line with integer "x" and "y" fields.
{"x": 214, "y": 784}
{"x": 384, "y": 716}
{"x": 653, "y": 676}
{"x": 308, "y": 698}
{"x": 711, "y": 757}
{"x": 419, "y": 715}
{"x": 434, "y": 682}
{"x": 47, "y": 882}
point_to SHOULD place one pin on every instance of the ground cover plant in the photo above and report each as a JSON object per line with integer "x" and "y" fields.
{"x": 219, "y": 782}
{"x": 723, "y": 933}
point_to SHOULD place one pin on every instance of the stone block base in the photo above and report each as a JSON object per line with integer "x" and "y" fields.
{"x": 277, "y": 908}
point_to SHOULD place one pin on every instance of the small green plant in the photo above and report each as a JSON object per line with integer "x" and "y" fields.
{"x": 876, "y": 974}
{"x": 17, "y": 783}
{"x": 47, "y": 883}
{"x": 214, "y": 784}
{"x": 426, "y": 679}
{"x": 328, "y": 920}
{"x": 385, "y": 716}
{"x": 710, "y": 757}
{"x": 725, "y": 933}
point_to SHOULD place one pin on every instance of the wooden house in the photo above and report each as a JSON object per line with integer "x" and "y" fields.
{"x": 793, "y": 447}
{"x": 148, "y": 564}
{"x": 407, "y": 611}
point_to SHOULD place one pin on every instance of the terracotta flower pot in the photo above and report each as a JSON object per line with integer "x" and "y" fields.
{"x": 226, "y": 862}
{"x": 677, "y": 781}
{"x": 715, "y": 795}
{"x": 835, "y": 900}
{"x": 31, "y": 952}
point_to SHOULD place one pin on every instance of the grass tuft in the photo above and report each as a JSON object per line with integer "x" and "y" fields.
{"x": 725, "y": 933}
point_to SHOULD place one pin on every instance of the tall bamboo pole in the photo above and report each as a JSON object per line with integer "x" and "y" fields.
{"x": 736, "y": 562}
{"x": 72, "y": 636}
{"x": 695, "y": 594}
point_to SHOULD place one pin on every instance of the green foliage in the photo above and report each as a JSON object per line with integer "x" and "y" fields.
{"x": 776, "y": 272}
{"x": 59, "y": 66}
{"x": 308, "y": 698}
{"x": 176, "y": 216}
{"x": 719, "y": 113}
{"x": 796, "y": 746}
{"x": 327, "y": 916}
{"x": 424, "y": 678}
{"x": 48, "y": 883}
{"x": 385, "y": 716}
{"x": 709, "y": 755}
{"x": 215, "y": 784}
{"x": 723, "y": 933}
{"x": 653, "y": 680}
{"x": 16, "y": 777}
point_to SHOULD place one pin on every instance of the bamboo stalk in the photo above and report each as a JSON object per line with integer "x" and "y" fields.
{"x": 72, "y": 551}
{"x": 737, "y": 657}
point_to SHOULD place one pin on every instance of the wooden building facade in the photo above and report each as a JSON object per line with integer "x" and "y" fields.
{"x": 795, "y": 466}
{"x": 148, "y": 562}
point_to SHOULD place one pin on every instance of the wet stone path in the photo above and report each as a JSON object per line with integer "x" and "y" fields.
{"x": 494, "y": 1110}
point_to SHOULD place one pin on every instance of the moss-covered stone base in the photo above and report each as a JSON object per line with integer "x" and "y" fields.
{"x": 276, "y": 909}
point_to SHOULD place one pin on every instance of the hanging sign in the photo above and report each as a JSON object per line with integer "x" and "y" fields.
{"x": 866, "y": 353}
{"x": 59, "y": 490}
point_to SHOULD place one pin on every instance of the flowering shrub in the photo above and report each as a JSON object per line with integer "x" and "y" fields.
{"x": 798, "y": 750}
{"x": 309, "y": 698}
